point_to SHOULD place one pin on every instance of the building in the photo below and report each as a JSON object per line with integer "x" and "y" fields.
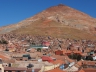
{"x": 58, "y": 52}
{"x": 36, "y": 47}
{"x": 1, "y": 66}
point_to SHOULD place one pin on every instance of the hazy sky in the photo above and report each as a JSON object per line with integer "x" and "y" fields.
{"x": 14, "y": 11}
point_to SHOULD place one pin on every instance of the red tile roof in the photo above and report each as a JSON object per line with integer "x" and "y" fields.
{"x": 89, "y": 62}
{"x": 58, "y": 62}
{"x": 66, "y": 51}
{"x": 3, "y": 57}
{"x": 78, "y": 52}
{"x": 56, "y": 70}
{"x": 81, "y": 70}
{"x": 46, "y": 58}
{"x": 79, "y": 63}
{"x": 89, "y": 70}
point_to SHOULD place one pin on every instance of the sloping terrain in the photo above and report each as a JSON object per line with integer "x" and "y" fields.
{"x": 54, "y": 29}
{"x": 58, "y": 21}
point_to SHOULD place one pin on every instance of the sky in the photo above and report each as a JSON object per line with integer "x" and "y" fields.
{"x": 14, "y": 11}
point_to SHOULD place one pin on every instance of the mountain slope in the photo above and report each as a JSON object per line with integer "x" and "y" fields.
{"x": 59, "y": 20}
{"x": 54, "y": 29}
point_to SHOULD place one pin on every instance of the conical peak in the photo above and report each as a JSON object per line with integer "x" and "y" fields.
{"x": 58, "y": 7}
{"x": 61, "y": 4}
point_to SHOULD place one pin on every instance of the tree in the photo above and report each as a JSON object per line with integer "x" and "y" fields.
{"x": 89, "y": 58}
{"x": 75, "y": 56}
{"x": 6, "y": 49}
{"x": 2, "y": 41}
{"x": 39, "y": 49}
{"x": 79, "y": 57}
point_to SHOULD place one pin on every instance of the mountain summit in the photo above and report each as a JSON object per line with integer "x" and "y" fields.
{"x": 59, "y": 20}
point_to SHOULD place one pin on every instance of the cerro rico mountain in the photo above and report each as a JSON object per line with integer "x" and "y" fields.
{"x": 57, "y": 21}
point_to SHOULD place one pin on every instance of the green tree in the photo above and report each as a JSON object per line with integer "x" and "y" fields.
{"x": 75, "y": 56}
{"x": 2, "y": 41}
{"x": 89, "y": 58}
{"x": 39, "y": 49}
{"x": 6, "y": 49}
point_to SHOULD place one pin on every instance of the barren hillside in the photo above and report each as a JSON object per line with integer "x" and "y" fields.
{"x": 58, "y": 21}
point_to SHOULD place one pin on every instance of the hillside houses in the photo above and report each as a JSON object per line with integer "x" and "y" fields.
{"x": 23, "y": 50}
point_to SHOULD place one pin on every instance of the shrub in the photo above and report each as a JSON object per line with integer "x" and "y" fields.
{"x": 39, "y": 49}
{"x": 2, "y": 41}
{"x": 89, "y": 58}
{"x": 6, "y": 49}
{"x": 75, "y": 56}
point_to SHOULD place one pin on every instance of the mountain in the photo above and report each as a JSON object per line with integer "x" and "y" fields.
{"x": 57, "y": 21}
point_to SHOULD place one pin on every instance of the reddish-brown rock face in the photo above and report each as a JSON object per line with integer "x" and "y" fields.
{"x": 57, "y": 16}
{"x": 67, "y": 16}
